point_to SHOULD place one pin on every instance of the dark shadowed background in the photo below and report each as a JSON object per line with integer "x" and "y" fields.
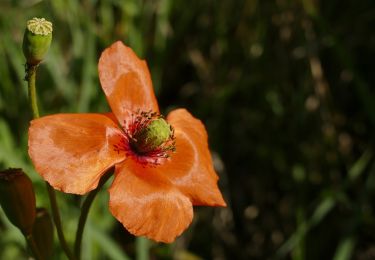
{"x": 285, "y": 89}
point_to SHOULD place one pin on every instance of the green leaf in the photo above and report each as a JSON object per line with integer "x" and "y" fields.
{"x": 345, "y": 249}
{"x": 360, "y": 165}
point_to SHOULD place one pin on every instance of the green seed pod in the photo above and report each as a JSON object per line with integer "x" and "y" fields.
{"x": 37, "y": 40}
{"x": 17, "y": 199}
{"x": 150, "y": 137}
{"x": 43, "y": 233}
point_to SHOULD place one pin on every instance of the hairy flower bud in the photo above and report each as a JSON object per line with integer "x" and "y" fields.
{"x": 37, "y": 40}
{"x": 17, "y": 199}
{"x": 154, "y": 134}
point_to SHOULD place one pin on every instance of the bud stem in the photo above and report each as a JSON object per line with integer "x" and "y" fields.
{"x": 57, "y": 220}
{"x": 30, "y": 78}
{"x": 32, "y": 245}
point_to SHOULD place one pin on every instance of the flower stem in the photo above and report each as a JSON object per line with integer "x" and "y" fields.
{"x": 32, "y": 245}
{"x": 30, "y": 78}
{"x": 84, "y": 213}
{"x": 142, "y": 246}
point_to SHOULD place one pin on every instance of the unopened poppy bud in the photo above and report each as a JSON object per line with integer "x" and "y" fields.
{"x": 17, "y": 199}
{"x": 153, "y": 135}
{"x": 43, "y": 233}
{"x": 37, "y": 40}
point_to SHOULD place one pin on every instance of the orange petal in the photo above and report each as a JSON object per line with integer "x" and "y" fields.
{"x": 147, "y": 205}
{"x": 72, "y": 151}
{"x": 190, "y": 168}
{"x": 126, "y": 81}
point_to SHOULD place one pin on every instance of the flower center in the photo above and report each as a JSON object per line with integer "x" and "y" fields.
{"x": 150, "y": 138}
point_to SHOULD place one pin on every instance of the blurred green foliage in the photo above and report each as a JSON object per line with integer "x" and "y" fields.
{"x": 285, "y": 88}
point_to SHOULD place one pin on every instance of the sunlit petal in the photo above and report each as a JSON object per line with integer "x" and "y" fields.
{"x": 72, "y": 151}
{"x": 190, "y": 168}
{"x": 147, "y": 205}
{"x": 126, "y": 81}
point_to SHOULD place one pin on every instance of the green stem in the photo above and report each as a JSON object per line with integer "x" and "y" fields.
{"x": 84, "y": 213}
{"x": 33, "y": 247}
{"x": 57, "y": 221}
{"x": 30, "y": 78}
{"x": 142, "y": 245}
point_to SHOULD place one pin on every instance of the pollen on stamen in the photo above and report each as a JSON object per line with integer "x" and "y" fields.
{"x": 143, "y": 139}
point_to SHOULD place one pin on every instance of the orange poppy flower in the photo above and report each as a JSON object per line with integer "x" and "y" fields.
{"x": 156, "y": 183}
